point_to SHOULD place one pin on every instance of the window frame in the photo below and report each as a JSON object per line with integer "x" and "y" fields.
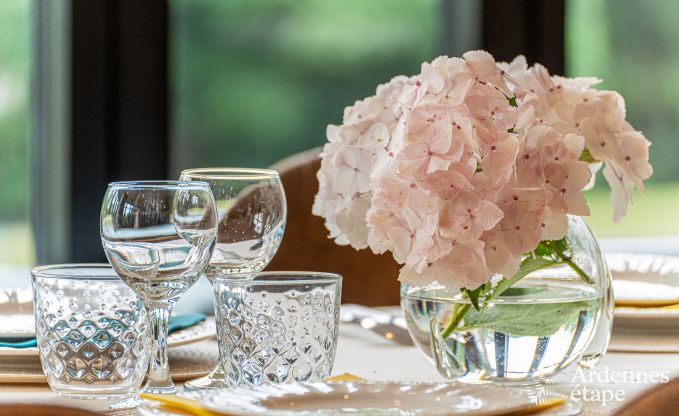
{"x": 102, "y": 113}
{"x": 534, "y": 28}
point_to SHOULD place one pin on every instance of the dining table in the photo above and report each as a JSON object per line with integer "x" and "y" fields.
{"x": 366, "y": 354}
{"x": 618, "y": 379}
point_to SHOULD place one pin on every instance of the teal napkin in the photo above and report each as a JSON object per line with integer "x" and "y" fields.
{"x": 184, "y": 321}
{"x": 176, "y": 323}
{"x": 20, "y": 344}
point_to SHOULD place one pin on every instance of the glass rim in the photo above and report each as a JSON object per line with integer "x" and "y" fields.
{"x": 231, "y": 173}
{"x": 158, "y": 184}
{"x": 289, "y": 278}
{"x": 50, "y": 271}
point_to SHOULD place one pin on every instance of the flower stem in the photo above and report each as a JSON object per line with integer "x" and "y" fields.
{"x": 569, "y": 261}
{"x": 458, "y": 314}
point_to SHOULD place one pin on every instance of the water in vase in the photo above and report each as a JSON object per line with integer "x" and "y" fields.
{"x": 525, "y": 336}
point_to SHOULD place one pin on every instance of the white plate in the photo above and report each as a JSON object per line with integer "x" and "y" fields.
{"x": 645, "y": 279}
{"x": 380, "y": 398}
{"x": 16, "y": 313}
{"x": 195, "y": 333}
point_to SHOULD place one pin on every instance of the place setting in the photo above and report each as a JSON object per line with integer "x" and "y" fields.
{"x": 471, "y": 173}
{"x": 646, "y": 302}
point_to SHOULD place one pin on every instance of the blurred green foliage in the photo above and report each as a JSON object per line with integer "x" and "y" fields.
{"x": 255, "y": 81}
{"x": 653, "y": 214}
{"x": 631, "y": 45}
{"x": 15, "y": 55}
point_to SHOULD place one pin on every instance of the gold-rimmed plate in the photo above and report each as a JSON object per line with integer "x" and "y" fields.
{"x": 646, "y": 289}
{"x": 386, "y": 398}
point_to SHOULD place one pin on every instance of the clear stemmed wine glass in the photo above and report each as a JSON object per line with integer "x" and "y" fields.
{"x": 251, "y": 214}
{"x": 158, "y": 236}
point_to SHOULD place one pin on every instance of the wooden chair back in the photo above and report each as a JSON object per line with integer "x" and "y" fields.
{"x": 368, "y": 279}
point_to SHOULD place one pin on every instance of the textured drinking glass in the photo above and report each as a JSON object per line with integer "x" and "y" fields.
{"x": 251, "y": 216}
{"x": 92, "y": 330}
{"x": 277, "y": 326}
{"x": 158, "y": 236}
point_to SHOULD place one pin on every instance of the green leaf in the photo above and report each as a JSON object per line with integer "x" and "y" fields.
{"x": 552, "y": 249}
{"x": 548, "y": 253}
{"x": 510, "y": 130}
{"x": 560, "y": 246}
{"x": 586, "y": 156}
{"x": 512, "y": 101}
{"x": 559, "y": 250}
{"x": 528, "y": 265}
{"x": 474, "y": 295}
{"x": 543, "y": 250}
{"x": 527, "y": 319}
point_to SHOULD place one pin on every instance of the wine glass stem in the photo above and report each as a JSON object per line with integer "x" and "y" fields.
{"x": 159, "y": 379}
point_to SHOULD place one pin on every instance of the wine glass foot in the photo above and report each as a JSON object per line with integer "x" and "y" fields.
{"x": 166, "y": 389}
{"x": 214, "y": 380}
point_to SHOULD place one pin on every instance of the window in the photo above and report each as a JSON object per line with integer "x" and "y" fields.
{"x": 253, "y": 82}
{"x": 16, "y": 242}
{"x": 632, "y": 46}
{"x": 247, "y": 83}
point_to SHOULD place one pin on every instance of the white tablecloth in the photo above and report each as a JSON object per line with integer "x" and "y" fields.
{"x": 367, "y": 355}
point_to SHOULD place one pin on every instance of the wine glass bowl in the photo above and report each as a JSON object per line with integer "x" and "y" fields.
{"x": 251, "y": 216}
{"x": 158, "y": 237}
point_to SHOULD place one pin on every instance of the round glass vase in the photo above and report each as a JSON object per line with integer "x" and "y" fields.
{"x": 549, "y": 319}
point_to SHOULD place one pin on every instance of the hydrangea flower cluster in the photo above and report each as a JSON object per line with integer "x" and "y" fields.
{"x": 460, "y": 170}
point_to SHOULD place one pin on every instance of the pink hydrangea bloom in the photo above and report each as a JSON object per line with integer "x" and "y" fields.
{"x": 460, "y": 170}
{"x": 573, "y": 106}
